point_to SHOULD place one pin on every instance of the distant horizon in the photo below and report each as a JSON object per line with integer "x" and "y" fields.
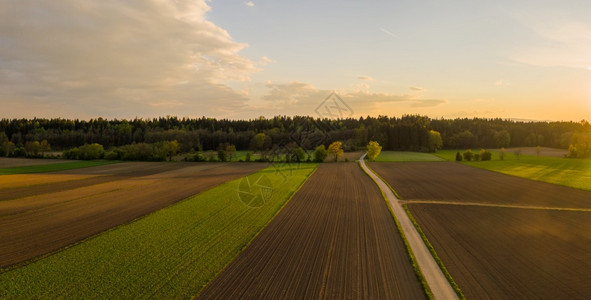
{"x": 292, "y": 116}
{"x": 242, "y": 59}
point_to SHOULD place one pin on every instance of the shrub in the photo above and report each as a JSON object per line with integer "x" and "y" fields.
{"x": 222, "y": 155}
{"x": 115, "y": 154}
{"x": 199, "y": 157}
{"x": 458, "y": 156}
{"x": 485, "y": 155}
{"x": 248, "y": 156}
{"x": 91, "y": 151}
{"x": 468, "y": 155}
{"x": 476, "y": 156}
{"x": 71, "y": 154}
{"x": 320, "y": 153}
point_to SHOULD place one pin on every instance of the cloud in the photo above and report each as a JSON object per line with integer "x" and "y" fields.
{"x": 91, "y": 58}
{"x": 302, "y": 98}
{"x": 502, "y": 82}
{"x": 249, "y": 4}
{"x": 416, "y": 89}
{"x": 427, "y": 102}
{"x": 561, "y": 40}
{"x": 386, "y": 31}
{"x": 364, "y": 78}
{"x": 265, "y": 61}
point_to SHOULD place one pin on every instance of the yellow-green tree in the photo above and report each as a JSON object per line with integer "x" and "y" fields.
{"x": 435, "y": 142}
{"x": 373, "y": 150}
{"x": 336, "y": 150}
{"x": 171, "y": 148}
{"x": 231, "y": 151}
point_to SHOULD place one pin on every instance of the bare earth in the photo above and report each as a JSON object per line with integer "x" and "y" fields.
{"x": 451, "y": 181}
{"x": 43, "y": 217}
{"x": 500, "y": 237}
{"x": 6, "y": 162}
{"x": 334, "y": 239}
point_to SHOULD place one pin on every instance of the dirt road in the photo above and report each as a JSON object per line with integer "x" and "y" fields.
{"x": 433, "y": 275}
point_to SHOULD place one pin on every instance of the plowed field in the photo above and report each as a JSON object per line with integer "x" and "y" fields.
{"x": 54, "y": 210}
{"x": 509, "y": 252}
{"x": 334, "y": 239}
{"x": 450, "y": 181}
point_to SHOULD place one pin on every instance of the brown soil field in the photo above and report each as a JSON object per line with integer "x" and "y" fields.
{"x": 38, "y": 219}
{"x": 511, "y": 253}
{"x": 334, "y": 239}
{"x": 450, "y": 181}
{"x": 6, "y": 162}
{"x": 500, "y": 252}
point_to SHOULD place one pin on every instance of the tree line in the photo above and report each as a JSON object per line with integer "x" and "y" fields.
{"x": 409, "y": 133}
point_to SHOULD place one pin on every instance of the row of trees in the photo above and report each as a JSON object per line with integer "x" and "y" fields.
{"x": 411, "y": 132}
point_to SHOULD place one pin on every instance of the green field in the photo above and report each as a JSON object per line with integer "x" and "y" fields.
{"x": 400, "y": 156}
{"x": 172, "y": 253}
{"x": 564, "y": 171}
{"x": 55, "y": 167}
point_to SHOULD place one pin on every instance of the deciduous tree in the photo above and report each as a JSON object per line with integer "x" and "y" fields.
{"x": 320, "y": 153}
{"x": 373, "y": 150}
{"x": 336, "y": 150}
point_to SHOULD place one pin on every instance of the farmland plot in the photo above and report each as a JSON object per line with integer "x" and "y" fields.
{"x": 39, "y": 218}
{"x": 334, "y": 239}
{"x": 500, "y": 236}
{"x": 511, "y": 253}
{"x": 448, "y": 181}
{"x": 169, "y": 254}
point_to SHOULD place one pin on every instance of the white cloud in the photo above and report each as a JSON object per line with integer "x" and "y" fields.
{"x": 502, "y": 82}
{"x": 249, "y": 4}
{"x": 302, "y": 98}
{"x": 388, "y": 32}
{"x": 90, "y": 58}
{"x": 561, "y": 40}
{"x": 263, "y": 61}
{"x": 364, "y": 78}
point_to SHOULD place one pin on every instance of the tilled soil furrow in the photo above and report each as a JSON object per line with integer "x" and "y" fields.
{"x": 334, "y": 239}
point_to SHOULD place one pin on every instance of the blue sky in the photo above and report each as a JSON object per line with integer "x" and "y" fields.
{"x": 243, "y": 59}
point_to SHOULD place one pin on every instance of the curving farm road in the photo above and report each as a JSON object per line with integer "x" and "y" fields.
{"x": 433, "y": 275}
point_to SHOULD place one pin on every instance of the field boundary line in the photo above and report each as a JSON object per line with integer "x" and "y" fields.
{"x": 411, "y": 255}
{"x": 262, "y": 228}
{"x": 405, "y": 202}
{"x": 436, "y": 279}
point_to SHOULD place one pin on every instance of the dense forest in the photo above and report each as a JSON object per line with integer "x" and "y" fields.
{"x": 411, "y": 132}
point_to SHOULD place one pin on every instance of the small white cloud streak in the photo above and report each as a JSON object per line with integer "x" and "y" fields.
{"x": 388, "y": 32}
{"x": 249, "y": 4}
{"x": 502, "y": 82}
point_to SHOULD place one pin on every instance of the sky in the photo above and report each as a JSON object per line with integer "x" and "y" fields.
{"x": 528, "y": 60}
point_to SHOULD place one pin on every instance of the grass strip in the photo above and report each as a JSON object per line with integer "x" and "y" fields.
{"x": 172, "y": 253}
{"x": 406, "y": 156}
{"x": 55, "y": 167}
{"x": 575, "y": 173}
{"x": 434, "y": 254}
{"x": 412, "y": 258}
